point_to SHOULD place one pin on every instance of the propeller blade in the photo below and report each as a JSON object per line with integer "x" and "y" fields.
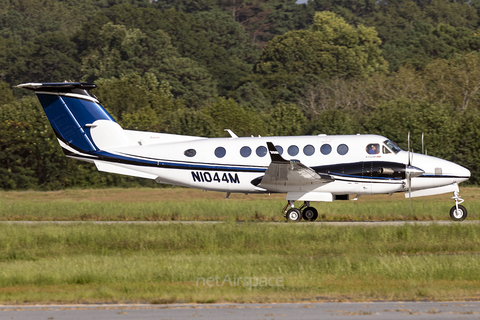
{"x": 408, "y": 174}
{"x": 409, "y": 163}
{"x": 422, "y": 144}
{"x": 423, "y": 153}
{"x": 409, "y": 179}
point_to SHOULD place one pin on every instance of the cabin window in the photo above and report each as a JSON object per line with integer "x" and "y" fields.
{"x": 342, "y": 149}
{"x": 292, "y": 150}
{"x": 373, "y": 148}
{"x": 261, "y": 151}
{"x": 279, "y": 149}
{"x": 326, "y": 149}
{"x": 220, "y": 152}
{"x": 309, "y": 150}
{"x": 245, "y": 152}
{"x": 190, "y": 153}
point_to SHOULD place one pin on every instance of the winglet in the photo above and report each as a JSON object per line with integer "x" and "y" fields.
{"x": 274, "y": 154}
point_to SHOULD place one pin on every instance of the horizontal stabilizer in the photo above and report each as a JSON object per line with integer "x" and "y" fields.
{"x": 57, "y": 86}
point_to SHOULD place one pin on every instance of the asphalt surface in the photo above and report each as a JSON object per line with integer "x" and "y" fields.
{"x": 327, "y": 310}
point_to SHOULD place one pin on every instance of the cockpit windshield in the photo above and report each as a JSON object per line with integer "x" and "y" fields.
{"x": 392, "y": 146}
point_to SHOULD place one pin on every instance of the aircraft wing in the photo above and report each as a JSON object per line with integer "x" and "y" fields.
{"x": 284, "y": 176}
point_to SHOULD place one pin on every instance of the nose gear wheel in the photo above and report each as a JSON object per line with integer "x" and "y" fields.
{"x": 458, "y": 212}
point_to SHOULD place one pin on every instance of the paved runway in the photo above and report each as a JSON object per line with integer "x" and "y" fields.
{"x": 232, "y": 311}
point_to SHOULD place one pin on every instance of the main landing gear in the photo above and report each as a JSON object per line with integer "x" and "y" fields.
{"x": 458, "y": 212}
{"x": 305, "y": 212}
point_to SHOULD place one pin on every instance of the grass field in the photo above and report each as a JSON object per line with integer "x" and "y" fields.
{"x": 166, "y": 204}
{"x": 226, "y": 262}
{"x": 285, "y": 262}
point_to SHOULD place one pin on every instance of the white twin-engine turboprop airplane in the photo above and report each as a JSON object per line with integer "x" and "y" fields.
{"x": 306, "y": 168}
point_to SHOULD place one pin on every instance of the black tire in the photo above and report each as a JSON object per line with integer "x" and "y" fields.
{"x": 459, "y": 215}
{"x": 310, "y": 214}
{"x": 294, "y": 215}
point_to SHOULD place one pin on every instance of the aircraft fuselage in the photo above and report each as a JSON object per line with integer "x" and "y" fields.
{"x": 306, "y": 168}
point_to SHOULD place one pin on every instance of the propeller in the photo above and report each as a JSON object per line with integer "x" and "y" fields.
{"x": 408, "y": 174}
{"x": 411, "y": 171}
{"x": 423, "y": 152}
{"x": 408, "y": 148}
{"x": 422, "y": 144}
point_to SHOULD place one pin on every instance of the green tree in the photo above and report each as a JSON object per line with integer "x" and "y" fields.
{"x": 415, "y": 32}
{"x": 355, "y": 12}
{"x": 396, "y": 118}
{"x": 455, "y": 81}
{"x": 131, "y": 94}
{"x": 191, "y": 122}
{"x": 29, "y": 152}
{"x": 334, "y": 121}
{"x": 125, "y": 51}
{"x": 227, "y": 114}
{"x": 250, "y": 95}
{"x": 188, "y": 6}
{"x": 48, "y": 57}
{"x": 22, "y": 20}
{"x": 261, "y": 19}
{"x": 231, "y": 55}
{"x": 210, "y": 38}
{"x": 330, "y": 48}
{"x": 458, "y": 14}
{"x": 468, "y": 144}
{"x": 51, "y": 57}
{"x": 286, "y": 120}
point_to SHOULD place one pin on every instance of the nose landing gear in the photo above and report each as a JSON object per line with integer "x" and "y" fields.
{"x": 306, "y": 212}
{"x": 458, "y": 212}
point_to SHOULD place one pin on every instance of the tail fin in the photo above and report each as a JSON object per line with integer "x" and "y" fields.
{"x": 81, "y": 124}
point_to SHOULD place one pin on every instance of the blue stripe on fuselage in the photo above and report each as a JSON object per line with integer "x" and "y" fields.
{"x": 114, "y": 158}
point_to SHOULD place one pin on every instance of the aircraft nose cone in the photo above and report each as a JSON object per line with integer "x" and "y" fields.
{"x": 462, "y": 172}
{"x": 457, "y": 171}
{"x": 439, "y": 168}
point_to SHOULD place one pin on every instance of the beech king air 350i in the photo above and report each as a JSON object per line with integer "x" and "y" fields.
{"x": 306, "y": 168}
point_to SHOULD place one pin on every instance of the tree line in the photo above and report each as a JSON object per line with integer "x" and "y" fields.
{"x": 257, "y": 67}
